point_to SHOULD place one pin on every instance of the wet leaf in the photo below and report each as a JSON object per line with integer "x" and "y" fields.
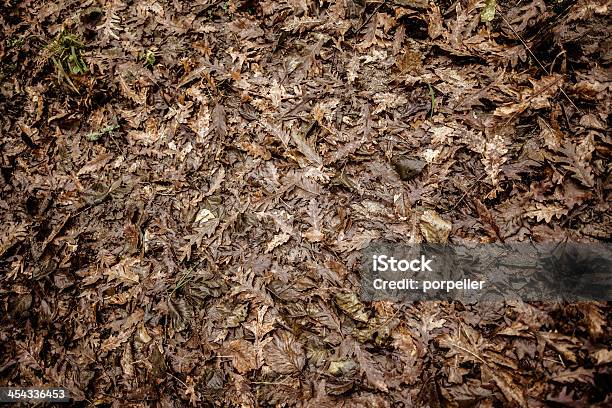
{"x": 352, "y": 306}
{"x": 285, "y": 355}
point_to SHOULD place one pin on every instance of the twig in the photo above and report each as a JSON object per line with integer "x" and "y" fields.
{"x": 537, "y": 60}
{"x": 370, "y": 17}
{"x": 465, "y": 193}
{"x": 177, "y": 379}
{"x": 433, "y": 100}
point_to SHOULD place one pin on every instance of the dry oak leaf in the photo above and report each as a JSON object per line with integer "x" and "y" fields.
{"x": 308, "y": 151}
{"x": 580, "y": 374}
{"x": 602, "y": 356}
{"x": 577, "y": 164}
{"x": 467, "y": 344}
{"x": 508, "y": 387}
{"x": 314, "y": 234}
{"x": 434, "y": 22}
{"x": 561, "y": 343}
{"x": 96, "y": 163}
{"x": 125, "y": 271}
{"x": 537, "y": 97}
{"x": 594, "y": 318}
{"x": 543, "y": 212}
{"x": 278, "y": 240}
{"x": 494, "y": 157}
{"x": 358, "y": 241}
{"x": 552, "y": 138}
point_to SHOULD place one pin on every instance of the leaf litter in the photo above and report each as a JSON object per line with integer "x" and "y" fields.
{"x": 186, "y": 189}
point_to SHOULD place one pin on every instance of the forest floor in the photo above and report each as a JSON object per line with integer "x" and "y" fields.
{"x": 187, "y": 188}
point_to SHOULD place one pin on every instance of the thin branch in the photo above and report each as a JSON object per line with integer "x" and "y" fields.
{"x": 370, "y": 17}
{"x": 537, "y": 60}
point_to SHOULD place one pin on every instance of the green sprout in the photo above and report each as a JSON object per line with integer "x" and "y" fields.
{"x": 149, "y": 58}
{"x": 65, "y": 52}
{"x": 15, "y": 42}
{"x": 94, "y": 136}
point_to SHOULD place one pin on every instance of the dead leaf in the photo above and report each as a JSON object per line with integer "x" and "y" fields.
{"x": 368, "y": 367}
{"x": 96, "y": 163}
{"x": 352, "y": 306}
{"x": 434, "y": 228}
{"x": 285, "y": 355}
{"x": 243, "y": 353}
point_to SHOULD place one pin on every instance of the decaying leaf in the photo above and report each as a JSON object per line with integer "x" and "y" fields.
{"x": 285, "y": 354}
{"x": 488, "y": 11}
{"x": 543, "y": 212}
{"x": 368, "y": 367}
{"x": 434, "y": 228}
{"x": 352, "y": 306}
{"x": 243, "y": 353}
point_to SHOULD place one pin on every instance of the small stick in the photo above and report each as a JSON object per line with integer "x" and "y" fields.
{"x": 370, "y": 17}
{"x": 537, "y": 60}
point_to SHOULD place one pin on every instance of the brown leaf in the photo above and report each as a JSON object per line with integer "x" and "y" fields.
{"x": 352, "y": 306}
{"x": 285, "y": 354}
{"x": 580, "y": 374}
{"x": 158, "y": 361}
{"x": 552, "y": 138}
{"x": 368, "y": 367}
{"x": 218, "y": 121}
{"x": 127, "y": 362}
{"x": 602, "y": 356}
{"x": 487, "y": 218}
{"x": 507, "y": 386}
{"x": 594, "y": 318}
{"x": 96, "y": 163}
{"x": 243, "y": 353}
{"x": 542, "y": 212}
{"x": 125, "y": 271}
{"x": 564, "y": 345}
{"x": 434, "y": 22}
{"x": 308, "y": 151}
{"x": 434, "y": 228}
{"x": 525, "y": 16}
{"x": 314, "y": 234}
{"x": 237, "y": 316}
{"x": 579, "y": 167}
{"x": 358, "y": 241}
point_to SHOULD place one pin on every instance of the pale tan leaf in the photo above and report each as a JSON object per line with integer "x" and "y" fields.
{"x": 243, "y": 355}
{"x": 434, "y": 228}
{"x": 543, "y": 212}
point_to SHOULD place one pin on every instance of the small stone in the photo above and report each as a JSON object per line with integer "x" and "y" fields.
{"x": 407, "y": 168}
